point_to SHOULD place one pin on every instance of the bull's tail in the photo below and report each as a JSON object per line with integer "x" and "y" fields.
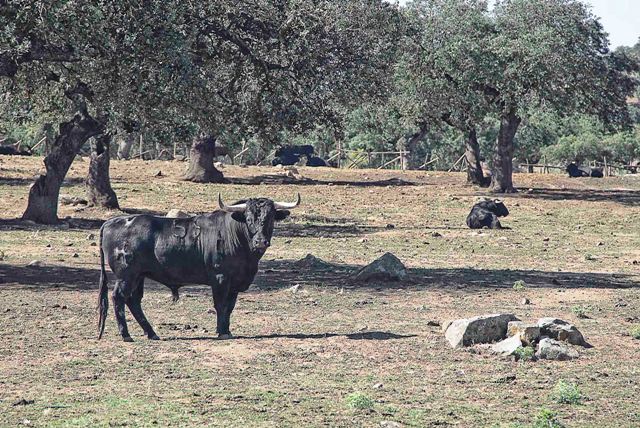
{"x": 103, "y": 300}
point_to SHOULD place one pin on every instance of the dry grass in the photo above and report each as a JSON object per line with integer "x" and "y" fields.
{"x": 300, "y": 355}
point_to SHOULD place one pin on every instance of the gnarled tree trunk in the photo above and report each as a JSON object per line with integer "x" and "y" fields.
{"x": 201, "y": 169}
{"x": 42, "y": 206}
{"x": 99, "y": 191}
{"x": 502, "y": 179}
{"x": 475, "y": 174}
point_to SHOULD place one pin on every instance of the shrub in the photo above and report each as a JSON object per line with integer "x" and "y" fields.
{"x": 546, "y": 419}
{"x": 525, "y": 353}
{"x": 566, "y": 393}
{"x": 519, "y": 285}
{"x": 635, "y": 332}
{"x": 580, "y": 311}
{"x": 359, "y": 401}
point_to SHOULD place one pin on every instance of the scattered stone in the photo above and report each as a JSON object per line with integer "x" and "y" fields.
{"x": 436, "y": 234}
{"x": 75, "y": 255}
{"x": 176, "y": 213}
{"x": 386, "y": 268}
{"x": 158, "y": 174}
{"x": 433, "y": 323}
{"x": 377, "y": 386}
{"x": 482, "y": 329}
{"x": 91, "y": 237}
{"x": 561, "y": 330}
{"x": 549, "y": 349}
{"x": 93, "y": 244}
{"x": 390, "y": 226}
{"x": 72, "y": 200}
{"x": 507, "y": 346}
{"x": 390, "y": 424}
{"x": 525, "y": 301}
{"x": 34, "y": 263}
{"x": 296, "y": 288}
{"x": 312, "y": 262}
{"x": 23, "y": 402}
{"x": 528, "y": 334}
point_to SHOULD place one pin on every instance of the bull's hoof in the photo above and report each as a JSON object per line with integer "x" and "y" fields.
{"x": 154, "y": 337}
{"x": 225, "y": 336}
{"x": 127, "y": 339}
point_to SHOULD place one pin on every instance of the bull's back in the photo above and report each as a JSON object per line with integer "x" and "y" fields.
{"x": 160, "y": 248}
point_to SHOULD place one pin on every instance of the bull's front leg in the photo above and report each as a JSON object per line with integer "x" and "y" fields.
{"x": 223, "y": 302}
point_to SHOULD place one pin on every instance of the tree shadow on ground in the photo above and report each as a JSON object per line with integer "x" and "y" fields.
{"x": 304, "y": 181}
{"x": 280, "y": 274}
{"x": 625, "y": 197}
{"x": 369, "y": 335}
{"x": 22, "y": 181}
{"x": 63, "y": 225}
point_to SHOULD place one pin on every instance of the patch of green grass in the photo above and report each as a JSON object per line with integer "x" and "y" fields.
{"x": 590, "y": 257}
{"x": 359, "y": 401}
{"x": 519, "y": 285}
{"x": 566, "y": 393}
{"x": 635, "y": 332}
{"x": 525, "y": 353}
{"x": 546, "y": 418}
{"x": 580, "y": 311}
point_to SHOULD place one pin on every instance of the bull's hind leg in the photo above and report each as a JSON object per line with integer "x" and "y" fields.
{"x": 134, "y": 302}
{"x": 121, "y": 292}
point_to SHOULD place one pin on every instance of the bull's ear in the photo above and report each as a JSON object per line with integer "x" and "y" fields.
{"x": 238, "y": 216}
{"x": 282, "y": 214}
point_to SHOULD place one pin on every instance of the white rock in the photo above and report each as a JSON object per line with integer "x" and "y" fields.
{"x": 507, "y": 346}
{"x": 175, "y": 213}
{"x": 482, "y": 329}
{"x": 34, "y": 263}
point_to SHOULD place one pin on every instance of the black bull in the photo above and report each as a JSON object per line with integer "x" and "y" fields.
{"x": 221, "y": 249}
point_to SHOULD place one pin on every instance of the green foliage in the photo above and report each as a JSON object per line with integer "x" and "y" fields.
{"x": 635, "y": 332}
{"x": 546, "y": 418}
{"x": 525, "y": 353}
{"x": 566, "y": 393}
{"x": 359, "y": 401}
{"x": 580, "y": 311}
{"x": 519, "y": 285}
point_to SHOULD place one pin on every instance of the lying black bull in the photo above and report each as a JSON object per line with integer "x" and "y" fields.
{"x": 486, "y": 213}
{"x": 221, "y": 249}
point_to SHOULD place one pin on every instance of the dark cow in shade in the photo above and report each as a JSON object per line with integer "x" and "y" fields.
{"x": 220, "y": 249}
{"x": 485, "y": 214}
{"x": 575, "y": 171}
{"x": 290, "y": 155}
{"x": 12, "y": 151}
{"x": 316, "y": 161}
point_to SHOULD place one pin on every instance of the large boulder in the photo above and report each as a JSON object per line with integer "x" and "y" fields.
{"x": 549, "y": 349}
{"x": 312, "y": 262}
{"x": 561, "y": 330}
{"x": 529, "y": 334}
{"x": 482, "y": 329}
{"x": 386, "y": 268}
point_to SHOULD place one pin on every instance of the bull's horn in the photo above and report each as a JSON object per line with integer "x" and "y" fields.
{"x": 287, "y": 205}
{"x": 231, "y": 208}
{"x": 497, "y": 201}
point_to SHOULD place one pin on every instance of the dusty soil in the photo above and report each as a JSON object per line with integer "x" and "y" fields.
{"x": 298, "y": 356}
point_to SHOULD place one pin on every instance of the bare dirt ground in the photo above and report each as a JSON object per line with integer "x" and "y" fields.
{"x": 298, "y": 356}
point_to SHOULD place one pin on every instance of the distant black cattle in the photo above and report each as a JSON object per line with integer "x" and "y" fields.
{"x": 12, "y": 151}
{"x": 316, "y": 161}
{"x": 220, "y": 249}
{"x": 575, "y": 171}
{"x": 485, "y": 214}
{"x": 285, "y": 159}
{"x": 304, "y": 150}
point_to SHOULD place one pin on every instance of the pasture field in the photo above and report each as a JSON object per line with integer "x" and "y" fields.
{"x": 335, "y": 353}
